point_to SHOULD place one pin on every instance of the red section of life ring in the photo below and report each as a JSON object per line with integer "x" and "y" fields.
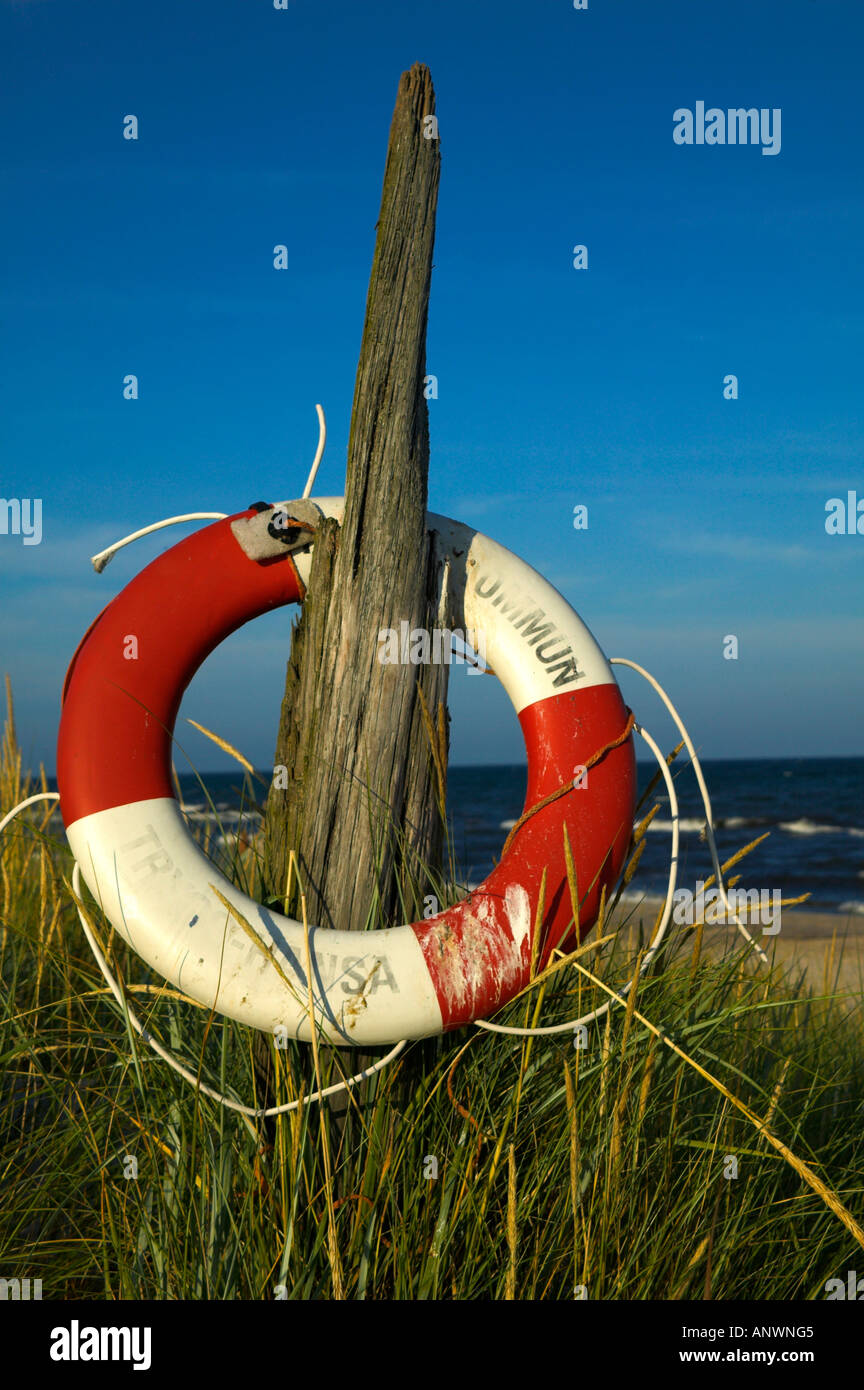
{"x": 126, "y": 680}
{"x": 561, "y": 733}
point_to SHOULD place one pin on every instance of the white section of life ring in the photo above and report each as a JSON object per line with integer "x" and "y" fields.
{"x": 541, "y": 646}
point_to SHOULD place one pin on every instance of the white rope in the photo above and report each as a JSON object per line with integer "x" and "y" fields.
{"x": 655, "y": 944}
{"x": 706, "y": 800}
{"x": 156, "y": 1045}
{"x": 319, "y": 452}
{"x": 673, "y": 867}
{"x": 101, "y": 560}
{"x": 42, "y": 796}
{"x": 190, "y": 1076}
{"x": 104, "y": 556}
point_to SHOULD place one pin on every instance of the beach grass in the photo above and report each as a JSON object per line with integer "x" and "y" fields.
{"x": 706, "y": 1143}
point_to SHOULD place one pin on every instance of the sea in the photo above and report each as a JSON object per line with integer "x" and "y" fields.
{"x": 810, "y": 809}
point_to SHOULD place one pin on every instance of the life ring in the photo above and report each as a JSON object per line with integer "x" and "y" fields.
{"x": 129, "y": 837}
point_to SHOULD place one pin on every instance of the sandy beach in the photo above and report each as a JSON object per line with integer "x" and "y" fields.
{"x": 828, "y": 946}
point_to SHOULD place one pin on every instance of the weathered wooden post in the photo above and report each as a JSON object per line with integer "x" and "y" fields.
{"x": 361, "y": 800}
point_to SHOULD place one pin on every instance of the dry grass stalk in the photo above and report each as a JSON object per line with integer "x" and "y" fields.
{"x": 801, "y": 1168}
{"x": 570, "y": 1089}
{"x": 323, "y": 1115}
{"x": 510, "y": 1291}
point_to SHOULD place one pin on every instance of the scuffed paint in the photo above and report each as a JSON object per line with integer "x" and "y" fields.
{"x": 358, "y": 1002}
{"x": 478, "y": 952}
{"x": 518, "y": 908}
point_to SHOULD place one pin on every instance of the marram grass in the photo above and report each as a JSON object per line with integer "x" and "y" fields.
{"x": 708, "y": 1143}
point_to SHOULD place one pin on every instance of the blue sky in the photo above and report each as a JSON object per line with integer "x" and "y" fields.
{"x": 604, "y": 387}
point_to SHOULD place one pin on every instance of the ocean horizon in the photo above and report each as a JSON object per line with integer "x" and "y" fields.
{"x": 812, "y": 810}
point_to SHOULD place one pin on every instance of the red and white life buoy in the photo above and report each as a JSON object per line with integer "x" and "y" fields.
{"x": 154, "y": 884}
